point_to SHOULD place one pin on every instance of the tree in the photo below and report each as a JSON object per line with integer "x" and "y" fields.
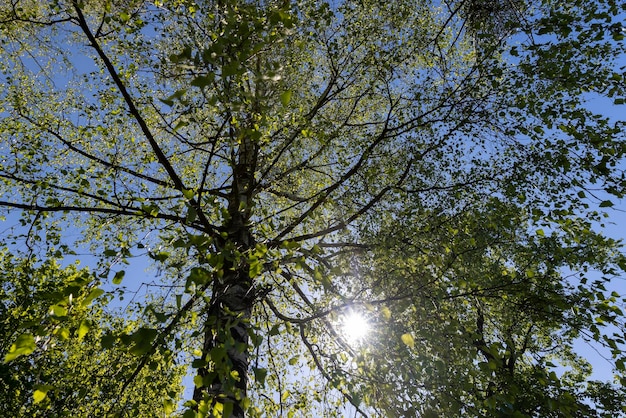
{"x": 48, "y": 311}
{"x": 285, "y": 163}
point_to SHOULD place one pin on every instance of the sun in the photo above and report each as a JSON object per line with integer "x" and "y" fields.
{"x": 355, "y": 327}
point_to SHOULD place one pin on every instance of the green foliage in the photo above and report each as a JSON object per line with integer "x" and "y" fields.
{"x": 435, "y": 166}
{"x": 55, "y": 365}
{"x": 491, "y": 321}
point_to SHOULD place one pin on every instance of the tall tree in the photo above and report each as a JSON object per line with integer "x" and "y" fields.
{"x": 432, "y": 164}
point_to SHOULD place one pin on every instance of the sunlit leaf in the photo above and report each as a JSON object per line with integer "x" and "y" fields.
{"x": 41, "y": 392}
{"x": 119, "y": 276}
{"x": 24, "y": 345}
{"x": 408, "y": 340}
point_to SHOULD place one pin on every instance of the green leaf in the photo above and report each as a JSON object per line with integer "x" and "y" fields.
{"x": 39, "y": 396}
{"x": 256, "y": 268}
{"x": 228, "y": 409}
{"x": 231, "y": 69}
{"x": 181, "y": 124}
{"x": 169, "y": 407}
{"x": 192, "y": 214}
{"x": 58, "y": 310}
{"x": 218, "y": 410}
{"x": 189, "y": 194}
{"x": 63, "y": 333}
{"x": 83, "y": 329}
{"x": 260, "y": 374}
{"x": 41, "y": 392}
{"x": 408, "y": 340}
{"x": 606, "y": 204}
{"x": 174, "y": 97}
{"x": 151, "y": 209}
{"x": 117, "y": 279}
{"x": 24, "y": 345}
{"x": 290, "y": 245}
{"x": 95, "y": 293}
{"x": 203, "y": 81}
{"x": 168, "y": 102}
{"x": 275, "y": 330}
{"x": 142, "y": 340}
{"x": 198, "y": 363}
{"x": 107, "y": 340}
{"x": 285, "y": 97}
{"x": 199, "y": 276}
{"x": 109, "y": 253}
{"x": 160, "y": 256}
{"x": 217, "y": 354}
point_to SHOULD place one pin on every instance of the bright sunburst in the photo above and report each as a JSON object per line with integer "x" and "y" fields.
{"x": 355, "y": 327}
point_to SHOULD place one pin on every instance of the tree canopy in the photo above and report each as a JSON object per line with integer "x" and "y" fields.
{"x": 433, "y": 166}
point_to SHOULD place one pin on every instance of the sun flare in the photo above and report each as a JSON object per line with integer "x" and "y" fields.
{"x": 355, "y": 327}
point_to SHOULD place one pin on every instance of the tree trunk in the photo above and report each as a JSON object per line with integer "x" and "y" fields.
{"x": 226, "y": 340}
{"x": 225, "y": 348}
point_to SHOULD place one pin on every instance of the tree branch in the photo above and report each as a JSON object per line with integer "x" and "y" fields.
{"x": 163, "y": 160}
